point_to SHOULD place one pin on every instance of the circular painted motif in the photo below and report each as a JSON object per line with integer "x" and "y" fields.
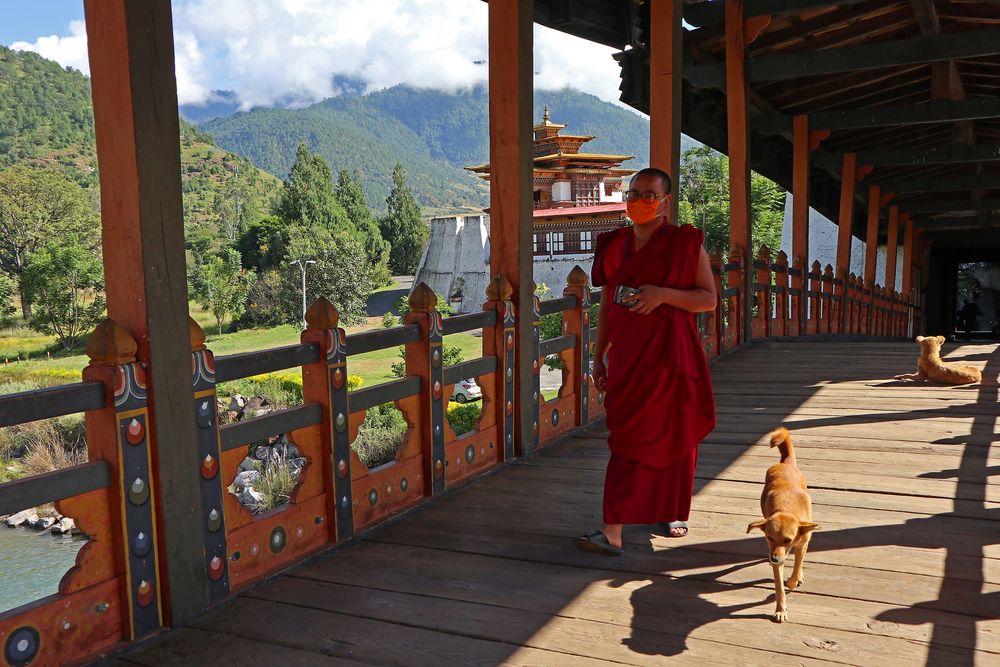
{"x": 555, "y": 418}
{"x": 437, "y": 389}
{"x": 22, "y": 646}
{"x": 101, "y": 607}
{"x": 135, "y": 432}
{"x": 372, "y": 497}
{"x": 534, "y": 397}
{"x": 534, "y": 428}
{"x": 254, "y": 549}
{"x": 510, "y": 408}
{"x": 437, "y": 429}
{"x": 600, "y": 397}
{"x": 214, "y": 520}
{"x": 438, "y": 468}
{"x": 236, "y": 556}
{"x": 510, "y": 439}
{"x": 277, "y": 540}
{"x": 338, "y": 378}
{"x": 586, "y": 318}
{"x": 404, "y": 484}
{"x": 299, "y": 532}
{"x": 144, "y": 593}
{"x": 209, "y": 467}
{"x": 340, "y": 422}
{"x": 318, "y": 520}
{"x": 216, "y": 568}
{"x": 344, "y": 508}
{"x": 138, "y": 492}
{"x": 204, "y": 415}
{"x": 470, "y": 454}
{"x": 141, "y": 545}
{"x": 534, "y": 366}
{"x": 436, "y": 358}
{"x": 510, "y": 341}
{"x": 341, "y": 468}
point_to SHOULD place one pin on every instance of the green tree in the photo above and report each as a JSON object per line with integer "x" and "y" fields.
{"x": 37, "y": 205}
{"x": 351, "y": 195}
{"x": 402, "y": 226}
{"x": 340, "y": 273}
{"x": 704, "y": 203}
{"x": 262, "y": 244}
{"x": 7, "y": 291}
{"x": 236, "y": 204}
{"x": 451, "y": 354}
{"x": 307, "y": 197}
{"x": 64, "y": 280}
{"x": 221, "y": 285}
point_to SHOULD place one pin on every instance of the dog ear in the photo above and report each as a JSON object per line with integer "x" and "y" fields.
{"x": 807, "y": 526}
{"x": 759, "y": 523}
{"x": 941, "y": 339}
{"x": 920, "y": 339}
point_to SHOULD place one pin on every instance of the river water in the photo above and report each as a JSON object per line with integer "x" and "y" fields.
{"x": 32, "y": 563}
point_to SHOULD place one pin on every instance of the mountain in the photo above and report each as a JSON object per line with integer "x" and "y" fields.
{"x": 47, "y": 120}
{"x": 433, "y": 133}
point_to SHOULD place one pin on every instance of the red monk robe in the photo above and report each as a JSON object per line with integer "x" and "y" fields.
{"x": 659, "y": 397}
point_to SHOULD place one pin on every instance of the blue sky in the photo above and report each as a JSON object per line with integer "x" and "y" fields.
{"x": 268, "y": 51}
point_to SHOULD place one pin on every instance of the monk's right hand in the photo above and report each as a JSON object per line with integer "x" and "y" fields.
{"x": 600, "y": 375}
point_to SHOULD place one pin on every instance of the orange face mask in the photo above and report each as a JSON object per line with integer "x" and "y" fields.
{"x": 641, "y": 212}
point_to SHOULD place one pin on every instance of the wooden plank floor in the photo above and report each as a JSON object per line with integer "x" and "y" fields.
{"x": 904, "y": 571}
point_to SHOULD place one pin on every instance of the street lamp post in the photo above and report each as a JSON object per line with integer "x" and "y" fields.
{"x": 302, "y": 265}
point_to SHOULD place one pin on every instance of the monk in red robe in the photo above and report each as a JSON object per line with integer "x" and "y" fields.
{"x": 659, "y": 399}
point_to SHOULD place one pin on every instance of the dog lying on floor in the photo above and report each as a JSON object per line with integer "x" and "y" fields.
{"x": 931, "y": 368}
{"x": 787, "y": 522}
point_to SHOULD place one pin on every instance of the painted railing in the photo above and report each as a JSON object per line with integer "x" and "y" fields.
{"x": 115, "y": 593}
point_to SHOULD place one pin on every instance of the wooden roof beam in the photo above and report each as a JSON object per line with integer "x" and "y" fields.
{"x": 937, "y": 111}
{"x": 950, "y": 154}
{"x": 892, "y": 53}
{"x": 959, "y": 222}
{"x": 961, "y": 183}
{"x": 701, "y": 14}
{"x": 951, "y": 205}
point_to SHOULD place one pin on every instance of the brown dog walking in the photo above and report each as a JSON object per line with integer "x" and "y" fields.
{"x": 787, "y": 522}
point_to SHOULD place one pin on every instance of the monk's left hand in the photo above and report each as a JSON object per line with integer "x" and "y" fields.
{"x": 647, "y": 300}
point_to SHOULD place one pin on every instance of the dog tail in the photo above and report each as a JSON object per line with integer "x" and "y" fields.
{"x": 782, "y": 439}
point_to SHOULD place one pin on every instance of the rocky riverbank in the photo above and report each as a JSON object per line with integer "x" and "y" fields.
{"x": 52, "y": 522}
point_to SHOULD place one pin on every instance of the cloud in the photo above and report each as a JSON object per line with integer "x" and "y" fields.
{"x": 281, "y": 51}
{"x": 68, "y": 51}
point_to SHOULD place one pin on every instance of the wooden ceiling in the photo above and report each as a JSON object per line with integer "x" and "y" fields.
{"x": 912, "y": 86}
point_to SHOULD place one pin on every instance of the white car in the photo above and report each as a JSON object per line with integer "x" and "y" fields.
{"x": 465, "y": 391}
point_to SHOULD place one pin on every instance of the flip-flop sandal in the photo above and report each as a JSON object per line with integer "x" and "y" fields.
{"x": 597, "y": 543}
{"x": 667, "y": 527}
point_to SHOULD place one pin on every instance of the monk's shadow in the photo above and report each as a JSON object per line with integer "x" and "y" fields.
{"x": 667, "y": 610}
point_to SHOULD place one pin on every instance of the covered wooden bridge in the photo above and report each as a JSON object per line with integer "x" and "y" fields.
{"x": 883, "y": 115}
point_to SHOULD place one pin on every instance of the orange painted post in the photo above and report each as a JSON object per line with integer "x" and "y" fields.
{"x": 800, "y": 209}
{"x": 325, "y": 384}
{"x": 908, "y": 276}
{"x": 665, "y": 78}
{"x": 715, "y": 323}
{"x": 502, "y": 345}
{"x": 739, "y": 157}
{"x": 762, "y": 292}
{"x": 134, "y": 91}
{"x": 781, "y": 302}
{"x": 814, "y": 294}
{"x": 826, "y": 324}
{"x": 848, "y": 178}
{"x": 734, "y": 297}
{"x": 890, "y": 267}
{"x": 425, "y": 359}
{"x": 871, "y": 251}
{"x": 511, "y": 195}
{"x": 576, "y": 321}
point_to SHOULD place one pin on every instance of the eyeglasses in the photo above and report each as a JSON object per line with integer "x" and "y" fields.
{"x": 648, "y": 197}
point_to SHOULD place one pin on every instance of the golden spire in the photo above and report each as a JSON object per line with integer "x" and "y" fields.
{"x": 545, "y": 114}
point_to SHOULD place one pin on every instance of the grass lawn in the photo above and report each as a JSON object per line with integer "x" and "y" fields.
{"x": 40, "y": 371}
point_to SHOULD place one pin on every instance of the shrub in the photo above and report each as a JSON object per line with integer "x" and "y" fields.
{"x": 276, "y": 484}
{"x": 264, "y": 307}
{"x": 389, "y": 320}
{"x": 380, "y": 435}
{"x": 463, "y": 418}
{"x": 49, "y": 444}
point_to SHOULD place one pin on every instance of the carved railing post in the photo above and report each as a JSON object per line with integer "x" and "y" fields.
{"x": 119, "y": 434}
{"x": 713, "y": 330}
{"x": 325, "y": 383}
{"x": 839, "y": 310}
{"x": 212, "y": 486}
{"x": 735, "y": 332}
{"x": 813, "y": 314}
{"x": 797, "y": 294}
{"x": 781, "y": 296}
{"x": 762, "y": 289}
{"x": 826, "y": 301}
{"x": 576, "y": 321}
{"x": 532, "y": 444}
{"x": 425, "y": 359}
{"x": 853, "y": 302}
{"x": 501, "y": 344}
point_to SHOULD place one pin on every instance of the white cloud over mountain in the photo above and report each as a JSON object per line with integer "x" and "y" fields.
{"x": 276, "y": 51}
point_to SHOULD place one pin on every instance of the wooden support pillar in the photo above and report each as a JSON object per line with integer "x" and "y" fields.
{"x": 800, "y": 210}
{"x": 665, "y": 79}
{"x": 871, "y": 254}
{"x": 848, "y": 173}
{"x": 908, "y": 275}
{"x": 511, "y": 163}
{"x": 138, "y": 149}
{"x": 737, "y": 106}
{"x": 891, "y": 251}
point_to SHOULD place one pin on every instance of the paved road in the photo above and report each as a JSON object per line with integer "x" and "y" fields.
{"x": 381, "y": 303}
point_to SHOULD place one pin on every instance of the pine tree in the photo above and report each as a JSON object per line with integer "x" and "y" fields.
{"x": 351, "y": 195}
{"x": 402, "y": 226}
{"x": 307, "y": 197}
